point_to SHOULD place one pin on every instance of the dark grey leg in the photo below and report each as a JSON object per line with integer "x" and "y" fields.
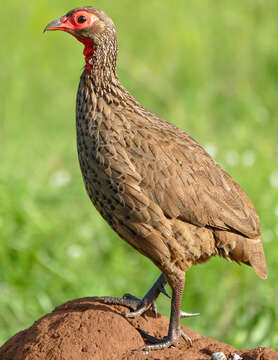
{"x": 138, "y": 306}
{"x": 174, "y": 331}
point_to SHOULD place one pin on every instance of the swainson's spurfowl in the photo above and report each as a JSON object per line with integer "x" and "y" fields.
{"x": 153, "y": 184}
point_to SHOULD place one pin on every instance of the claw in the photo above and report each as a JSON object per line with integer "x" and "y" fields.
{"x": 186, "y": 338}
{"x": 163, "y": 291}
{"x": 148, "y": 337}
{"x": 158, "y": 344}
{"x": 154, "y": 308}
{"x": 184, "y": 314}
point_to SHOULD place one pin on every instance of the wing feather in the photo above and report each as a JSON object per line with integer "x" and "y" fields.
{"x": 187, "y": 183}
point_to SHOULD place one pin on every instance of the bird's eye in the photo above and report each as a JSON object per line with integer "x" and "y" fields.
{"x": 81, "y": 19}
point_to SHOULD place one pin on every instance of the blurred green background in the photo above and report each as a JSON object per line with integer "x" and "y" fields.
{"x": 210, "y": 67}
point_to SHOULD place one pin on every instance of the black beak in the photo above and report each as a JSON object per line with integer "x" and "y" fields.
{"x": 53, "y": 25}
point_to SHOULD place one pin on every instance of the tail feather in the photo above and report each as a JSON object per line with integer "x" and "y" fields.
{"x": 256, "y": 257}
{"x": 242, "y": 250}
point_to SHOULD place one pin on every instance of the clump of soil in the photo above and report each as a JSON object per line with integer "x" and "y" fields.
{"x": 83, "y": 329}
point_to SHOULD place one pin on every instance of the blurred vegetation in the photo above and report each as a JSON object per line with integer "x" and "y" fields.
{"x": 210, "y": 67}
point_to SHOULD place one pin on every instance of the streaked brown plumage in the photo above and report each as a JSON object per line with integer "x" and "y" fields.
{"x": 154, "y": 184}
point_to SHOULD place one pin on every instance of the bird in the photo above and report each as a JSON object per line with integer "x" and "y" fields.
{"x": 153, "y": 183}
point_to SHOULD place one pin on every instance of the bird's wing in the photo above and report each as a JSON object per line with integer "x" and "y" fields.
{"x": 186, "y": 183}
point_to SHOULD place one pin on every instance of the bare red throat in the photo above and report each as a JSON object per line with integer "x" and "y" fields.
{"x": 72, "y": 23}
{"x": 88, "y": 51}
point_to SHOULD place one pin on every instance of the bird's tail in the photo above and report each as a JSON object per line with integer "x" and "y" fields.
{"x": 242, "y": 250}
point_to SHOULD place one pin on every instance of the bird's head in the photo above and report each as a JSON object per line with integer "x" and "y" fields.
{"x": 90, "y": 26}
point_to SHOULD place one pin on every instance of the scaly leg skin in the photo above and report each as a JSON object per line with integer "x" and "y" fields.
{"x": 138, "y": 306}
{"x": 149, "y": 298}
{"x": 174, "y": 331}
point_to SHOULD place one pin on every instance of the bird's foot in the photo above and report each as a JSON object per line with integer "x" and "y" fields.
{"x": 148, "y": 302}
{"x": 158, "y": 344}
{"x": 142, "y": 306}
{"x": 136, "y": 305}
{"x": 127, "y": 300}
{"x": 139, "y": 306}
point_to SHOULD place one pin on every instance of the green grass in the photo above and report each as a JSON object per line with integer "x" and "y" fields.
{"x": 210, "y": 67}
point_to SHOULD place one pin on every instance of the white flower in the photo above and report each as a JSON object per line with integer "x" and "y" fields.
{"x": 60, "y": 178}
{"x": 267, "y": 235}
{"x": 86, "y": 231}
{"x": 232, "y": 158}
{"x": 75, "y": 251}
{"x": 274, "y": 179}
{"x": 248, "y": 158}
{"x": 211, "y": 149}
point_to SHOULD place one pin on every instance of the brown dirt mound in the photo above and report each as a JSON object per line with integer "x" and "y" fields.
{"x": 83, "y": 329}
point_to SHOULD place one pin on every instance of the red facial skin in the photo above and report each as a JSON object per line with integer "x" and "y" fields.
{"x": 71, "y": 25}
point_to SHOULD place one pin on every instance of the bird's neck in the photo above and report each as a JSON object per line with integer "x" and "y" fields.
{"x": 101, "y": 60}
{"x": 88, "y": 51}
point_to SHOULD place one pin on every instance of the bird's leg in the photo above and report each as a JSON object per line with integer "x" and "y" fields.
{"x": 174, "y": 331}
{"x": 138, "y": 306}
{"x": 148, "y": 301}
